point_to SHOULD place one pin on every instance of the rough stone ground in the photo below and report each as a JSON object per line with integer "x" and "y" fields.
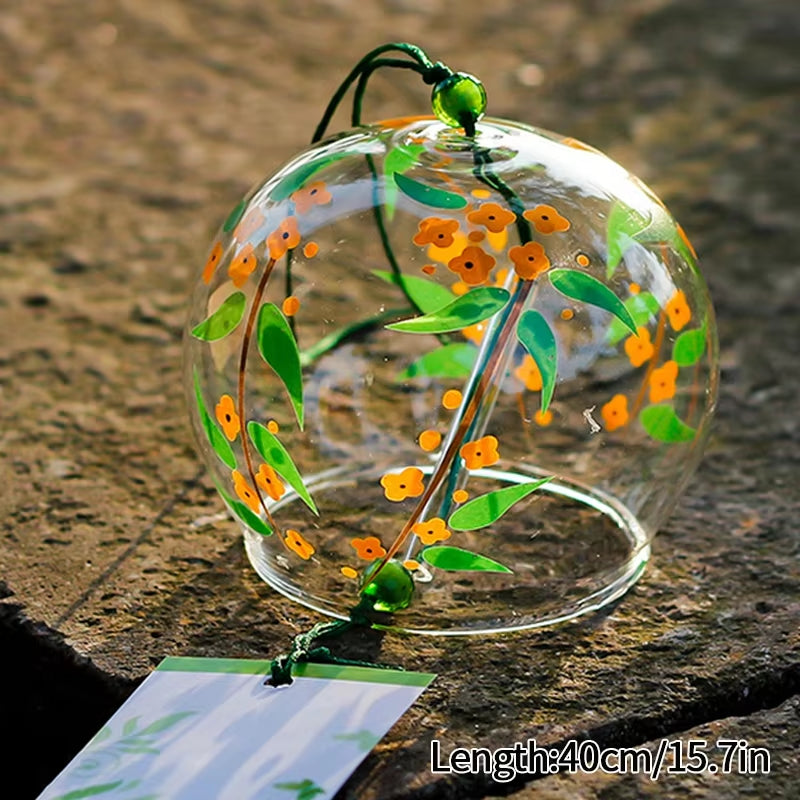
{"x": 129, "y": 129}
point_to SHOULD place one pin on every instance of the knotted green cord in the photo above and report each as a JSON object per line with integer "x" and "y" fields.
{"x": 304, "y": 646}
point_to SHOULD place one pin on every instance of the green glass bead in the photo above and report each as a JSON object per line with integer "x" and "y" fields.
{"x": 391, "y": 590}
{"x": 459, "y": 99}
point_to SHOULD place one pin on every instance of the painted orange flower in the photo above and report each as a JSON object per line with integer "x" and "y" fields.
{"x": 369, "y": 548}
{"x": 240, "y": 268}
{"x": 441, "y": 255}
{"x": 639, "y": 348}
{"x": 546, "y": 219}
{"x": 268, "y": 480}
{"x": 249, "y": 225}
{"x": 543, "y": 418}
{"x": 213, "y": 261}
{"x": 227, "y": 417}
{"x": 286, "y": 237}
{"x": 473, "y": 265}
{"x": 398, "y": 486}
{"x": 492, "y": 216}
{"x": 245, "y": 491}
{"x": 474, "y": 333}
{"x": 480, "y": 453}
{"x": 615, "y": 412}
{"x": 528, "y": 373}
{"x": 432, "y": 531}
{"x": 436, "y": 231}
{"x": 294, "y": 541}
{"x": 530, "y": 260}
{"x": 662, "y": 382}
{"x": 678, "y": 310}
{"x": 315, "y": 194}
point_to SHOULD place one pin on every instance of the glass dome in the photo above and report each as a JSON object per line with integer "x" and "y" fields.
{"x": 464, "y": 377}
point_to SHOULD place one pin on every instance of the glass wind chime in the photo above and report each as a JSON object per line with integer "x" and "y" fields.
{"x": 450, "y": 371}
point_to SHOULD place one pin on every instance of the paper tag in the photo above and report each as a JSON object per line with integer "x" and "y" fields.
{"x": 209, "y": 729}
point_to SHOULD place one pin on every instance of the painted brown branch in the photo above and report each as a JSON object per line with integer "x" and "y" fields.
{"x": 248, "y": 333}
{"x": 651, "y": 365}
{"x": 451, "y": 453}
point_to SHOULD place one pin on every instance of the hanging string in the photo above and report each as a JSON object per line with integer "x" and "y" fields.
{"x": 305, "y": 646}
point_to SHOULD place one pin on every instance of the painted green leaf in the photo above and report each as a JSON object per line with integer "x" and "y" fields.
{"x": 427, "y": 295}
{"x": 583, "y": 287}
{"x": 276, "y": 455}
{"x": 278, "y": 348}
{"x": 457, "y": 560}
{"x": 488, "y": 508}
{"x": 662, "y": 229}
{"x": 164, "y": 723}
{"x": 682, "y": 246}
{"x": 399, "y": 159}
{"x": 223, "y": 321}
{"x": 216, "y": 438}
{"x": 130, "y": 726}
{"x": 297, "y": 177}
{"x": 538, "y": 339}
{"x": 689, "y": 347}
{"x": 469, "y": 309}
{"x": 627, "y": 226}
{"x": 623, "y": 224}
{"x": 448, "y": 361}
{"x": 138, "y": 748}
{"x": 642, "y": 307}
{"x": 249, "y": 517}
{"x": 89, "y": 791}
{"x": 233, "y": 218}
{"x": 429, "y": 195}
{"x": 663, "y": 424}
{"x": 244, "y": 513}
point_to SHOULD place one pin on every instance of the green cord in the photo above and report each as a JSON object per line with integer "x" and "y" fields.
{"x": 358, "y": 95}
{"x": 416, "y": 53}
{"x": 305, "y": 648}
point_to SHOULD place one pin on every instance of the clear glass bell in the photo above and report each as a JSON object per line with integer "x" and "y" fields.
{"x": 466, "y": 377}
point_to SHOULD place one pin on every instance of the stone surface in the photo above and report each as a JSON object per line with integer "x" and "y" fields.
{"x": 131, "y": 127}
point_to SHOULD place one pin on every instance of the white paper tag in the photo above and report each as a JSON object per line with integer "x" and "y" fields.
{"x": 209, "y": 729}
